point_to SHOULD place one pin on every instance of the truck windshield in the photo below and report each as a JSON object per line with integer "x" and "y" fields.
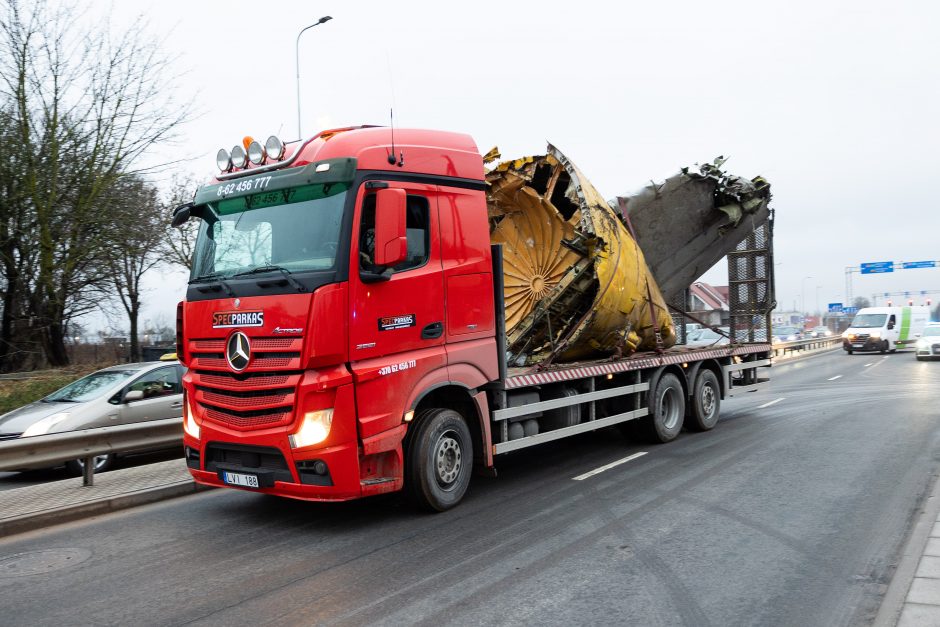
{"x": 295, "y": 229}
{"x": 869, "y": 321}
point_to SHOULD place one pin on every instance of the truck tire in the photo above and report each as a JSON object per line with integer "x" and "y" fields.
{"x": 884, "y": 347}
{"x": 439, "y": 460}
{"x": 667, "y": 410}
{"x": 706, "y": 401}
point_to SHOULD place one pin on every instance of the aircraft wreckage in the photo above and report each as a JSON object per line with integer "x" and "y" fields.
{"x": 577, "y": 283}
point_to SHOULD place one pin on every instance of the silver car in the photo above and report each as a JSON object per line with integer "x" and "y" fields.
{"x": 117, "y": 395}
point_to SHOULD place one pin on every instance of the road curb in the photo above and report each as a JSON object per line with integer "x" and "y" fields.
{"x": 78, "y": 511}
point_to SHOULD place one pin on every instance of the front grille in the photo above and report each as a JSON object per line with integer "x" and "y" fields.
{"x": 256, "y": 398}
{"x": 266, "y": 398}
{"x": 228, "y": 379}
{"x": 247, "y": 420}
{"x": 861, "y": 337}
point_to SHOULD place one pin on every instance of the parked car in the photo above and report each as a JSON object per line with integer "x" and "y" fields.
{"x": 113, "y": 396}
{"x": 928, "y": 344}
{"x": 706, "y": 337}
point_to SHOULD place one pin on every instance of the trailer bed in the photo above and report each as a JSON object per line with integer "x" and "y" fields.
{"x": 536, "y": 375}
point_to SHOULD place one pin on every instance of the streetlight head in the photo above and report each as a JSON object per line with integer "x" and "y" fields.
{"x": 325, "y": 18}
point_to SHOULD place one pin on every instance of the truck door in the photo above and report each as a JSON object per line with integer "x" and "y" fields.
{"x": 396, "y": 327}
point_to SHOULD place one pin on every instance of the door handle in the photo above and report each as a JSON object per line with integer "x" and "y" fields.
{"x": 177, "y": 405}
{"x": 432, "y": 331}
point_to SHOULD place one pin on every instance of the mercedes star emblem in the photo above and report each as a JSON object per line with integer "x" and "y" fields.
{"x": 237, "y": 303}
{"x": 238, "y": 351}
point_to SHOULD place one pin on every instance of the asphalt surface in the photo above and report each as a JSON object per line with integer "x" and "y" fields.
{"x": 790, "y": 514}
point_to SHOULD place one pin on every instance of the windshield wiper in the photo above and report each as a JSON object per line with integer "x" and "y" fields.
{"x": 212, "y": 276}
{"x": 272, "y": 268}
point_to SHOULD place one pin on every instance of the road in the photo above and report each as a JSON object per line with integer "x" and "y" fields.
{"x": 789, "y": 514}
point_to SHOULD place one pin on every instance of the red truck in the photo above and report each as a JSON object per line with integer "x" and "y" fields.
{"x": 344, "y": 334}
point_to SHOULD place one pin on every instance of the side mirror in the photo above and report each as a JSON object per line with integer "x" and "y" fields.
{"x": 181, "y": 214}
{"x": 391, "y": 240}
{"x": 890, "y": 325}
{"x": 134, "y": 395}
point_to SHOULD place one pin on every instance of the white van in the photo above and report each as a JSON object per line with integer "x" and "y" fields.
{"x": 885, "y": 328}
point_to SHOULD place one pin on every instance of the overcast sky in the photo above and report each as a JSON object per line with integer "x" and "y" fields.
{"x": 834, "y": 103}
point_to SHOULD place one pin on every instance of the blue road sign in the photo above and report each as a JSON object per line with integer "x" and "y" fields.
{"x": 835, "y": 307}
{"x": 907, "y": 265}
{"x": 877, "y": 267}
{"x": 851, "y": 310}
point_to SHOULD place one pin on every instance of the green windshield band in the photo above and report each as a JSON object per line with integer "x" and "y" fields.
{"x": 328, "y": 171}
{"x": 280, "y": 197}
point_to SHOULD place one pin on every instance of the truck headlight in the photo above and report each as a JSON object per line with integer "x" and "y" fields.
{"x": 41, "y": 427}
{"x": 314, "y": 428}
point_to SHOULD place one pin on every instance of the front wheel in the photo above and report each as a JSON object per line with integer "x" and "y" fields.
{"x": 76, "y": 467}
{"x": 884, "y": 347}
{"x": 439, "y": 460}
{"x": 706, "y": 401}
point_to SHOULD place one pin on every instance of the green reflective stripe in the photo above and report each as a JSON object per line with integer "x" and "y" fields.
{"x": 905, "y": 323}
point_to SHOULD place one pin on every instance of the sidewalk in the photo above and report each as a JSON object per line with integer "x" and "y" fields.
{"x": 913, "y": 597}
{"x": 32, "y": 507}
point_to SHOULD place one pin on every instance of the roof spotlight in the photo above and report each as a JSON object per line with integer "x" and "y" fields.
{"x": 238, "y": 157}
{"x": 274, "y": 147}
{"x": 223, "y": 159}
{"x": 256, "y": 153}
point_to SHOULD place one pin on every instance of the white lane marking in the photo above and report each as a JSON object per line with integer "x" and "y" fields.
{"x": 838, "y": 376}
{"x": 597, "y": 471}
{"x": 866, "y": 365}
{"x": 771, "y": 403}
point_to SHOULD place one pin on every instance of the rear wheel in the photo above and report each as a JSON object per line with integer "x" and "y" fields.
{"x": 439, "y": 460}
{"x": 666, "y": 410}
{"x": 76, "y": 467}
{"x": 706, "y": 401}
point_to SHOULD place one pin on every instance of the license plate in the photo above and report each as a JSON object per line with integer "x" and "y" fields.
{"x": 857, "y": 345}
{"x": 237, "y": 478}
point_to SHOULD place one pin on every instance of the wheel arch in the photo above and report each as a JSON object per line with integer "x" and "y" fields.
{"x": 466, "y": 401}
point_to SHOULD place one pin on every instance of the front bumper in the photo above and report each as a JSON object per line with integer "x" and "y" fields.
{"x": 340, "y": 469}
{"x": 928, "y": 352}
{"x": 868, "y": 344}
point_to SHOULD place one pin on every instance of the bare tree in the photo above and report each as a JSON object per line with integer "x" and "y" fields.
{"x": 84, "y": 106}
{"x": 138, "y": 233}
{"x": 179, "y": 242}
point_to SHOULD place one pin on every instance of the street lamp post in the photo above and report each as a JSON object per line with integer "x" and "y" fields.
{"x": 325, "y": 18}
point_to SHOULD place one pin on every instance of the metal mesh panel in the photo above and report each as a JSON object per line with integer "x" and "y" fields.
{"x": 679, "y": 320}
{"x": 750, "y": 285}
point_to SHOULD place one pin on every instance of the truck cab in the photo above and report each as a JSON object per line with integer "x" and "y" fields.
{"x": 334, "y": 288}
{"x": 884, "y": 329}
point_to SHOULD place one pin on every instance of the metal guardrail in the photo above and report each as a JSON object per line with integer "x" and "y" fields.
{"x": 781, "y": 348}
{"x": 55, "y": 448}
